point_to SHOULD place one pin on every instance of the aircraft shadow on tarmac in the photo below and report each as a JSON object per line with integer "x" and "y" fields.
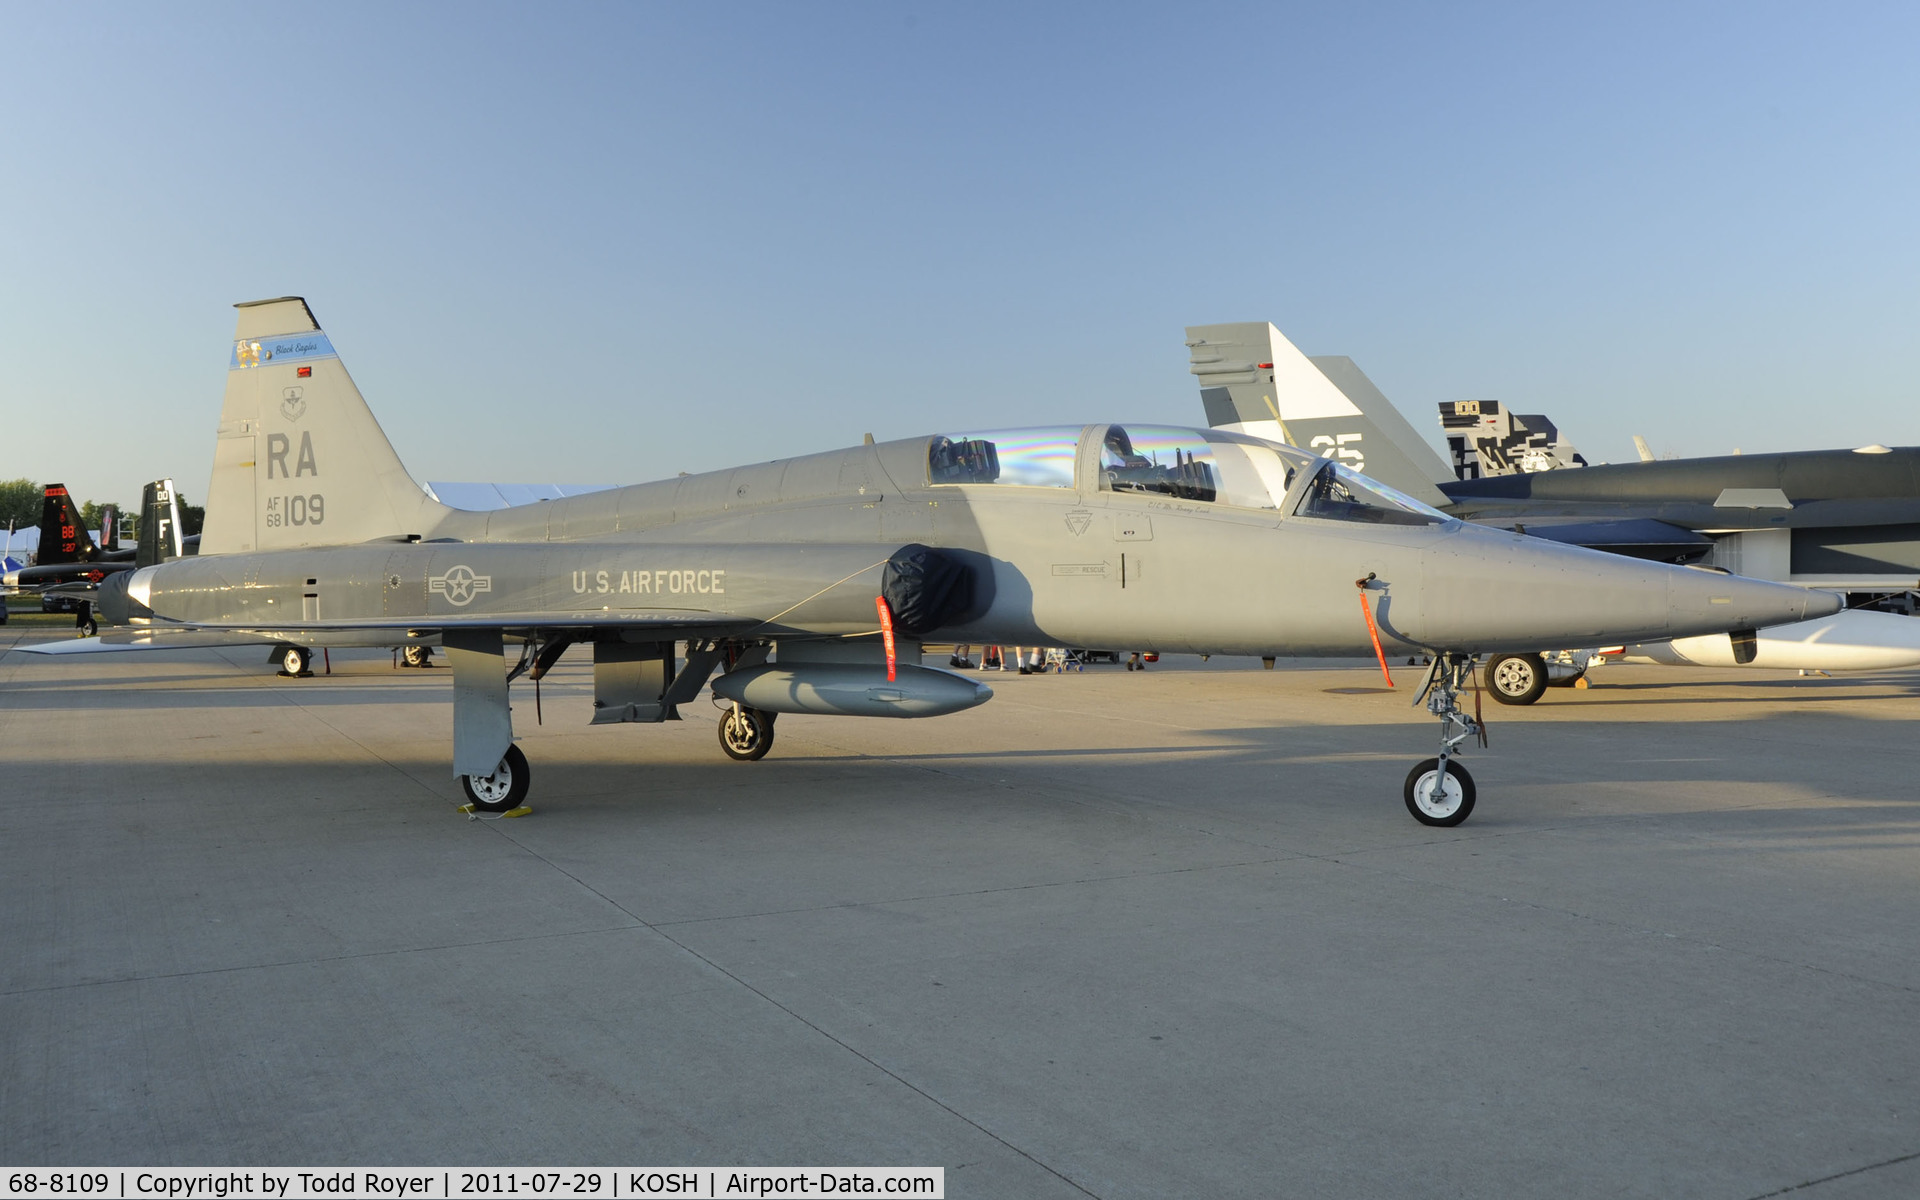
{"x": 1280, "y": 770}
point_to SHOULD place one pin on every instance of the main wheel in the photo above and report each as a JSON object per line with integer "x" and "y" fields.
{"x": 417, "y": 656}
{"x": 746, "y": 733}
{"x": 1517, "y": 678}
{"x": 294, "y": 660}
{"x": 1434, "y": 802}
{"x": 505, "y": 789}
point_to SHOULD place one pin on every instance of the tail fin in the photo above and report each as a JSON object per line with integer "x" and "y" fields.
{"x": 63, "y": 537}
{"x": 1486, "y": 440}
{"x": 301, "y": 460}
{"x": 160, "y": 533}
{"x": 109, "y": 527}
{"x": 1253, "y": 380}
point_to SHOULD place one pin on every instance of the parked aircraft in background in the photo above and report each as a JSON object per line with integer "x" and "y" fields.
{"x": 1841, "y": 520}
{"x": 809, "y": 583}
{"x": 68, "y": 563}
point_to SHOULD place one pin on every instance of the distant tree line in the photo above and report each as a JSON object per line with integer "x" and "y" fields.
{"x": 20, "y": 502}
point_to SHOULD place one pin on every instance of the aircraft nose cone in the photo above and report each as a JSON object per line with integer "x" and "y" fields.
{"x": 1709, "y": 602}
{"x": 1489, "y": 590}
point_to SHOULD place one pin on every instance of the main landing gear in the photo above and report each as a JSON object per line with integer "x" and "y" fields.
{"x": 505, "y": 789}
{"x": 1517, "y": 678}
{"x": 1439, "y": 791}
{"x": 746, "y": 733}
{"x": 296, "y": 662}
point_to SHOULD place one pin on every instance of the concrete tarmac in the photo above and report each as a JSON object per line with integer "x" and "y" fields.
{"x": 1111, "y": 934}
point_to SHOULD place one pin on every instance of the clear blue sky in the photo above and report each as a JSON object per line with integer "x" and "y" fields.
{"x": 606, "y": 243}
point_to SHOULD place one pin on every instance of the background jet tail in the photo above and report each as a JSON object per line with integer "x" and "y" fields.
{"x": 300, "y": 460}
{"x": 160, "y": 536}
{"x": 1485, "y": 439}
{"x": 1253, "y": 380}
{"x": 63, "y": 537}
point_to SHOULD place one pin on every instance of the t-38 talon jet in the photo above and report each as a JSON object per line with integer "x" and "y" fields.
{"x": 808, "y": 583}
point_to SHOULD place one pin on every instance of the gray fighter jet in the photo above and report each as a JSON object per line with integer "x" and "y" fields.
{"x": 1846, "y": 520}
{"x": 1841, "y": 520}
{"x": 810, "y": 583}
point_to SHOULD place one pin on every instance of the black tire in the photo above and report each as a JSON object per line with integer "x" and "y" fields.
{"x": 746, "y": 734}
{"x": 1517, "y": 678}
{"x": 1444, "y": 811}
{"x": 417, "y": 656}
{"x": 505, "y": 789}
{"x": 294, "y": 660}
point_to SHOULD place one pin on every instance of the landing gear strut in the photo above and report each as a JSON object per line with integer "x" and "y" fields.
{"x": 1439, "y": 791}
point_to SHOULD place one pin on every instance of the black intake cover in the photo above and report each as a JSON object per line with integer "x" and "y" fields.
{"x": 925, "y": 588}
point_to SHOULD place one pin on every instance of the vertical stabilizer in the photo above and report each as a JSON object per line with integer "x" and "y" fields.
{"x": 300, "y": 460}
{"x": 1253, "y": 380}
{"x": 160, "y": 536}
{"x": 63, "y": 537}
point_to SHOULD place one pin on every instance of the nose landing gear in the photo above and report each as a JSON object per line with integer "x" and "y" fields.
{"x": 1439, "y": 791}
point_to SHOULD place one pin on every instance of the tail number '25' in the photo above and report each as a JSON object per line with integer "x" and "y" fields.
{"x": 296, "y": 510}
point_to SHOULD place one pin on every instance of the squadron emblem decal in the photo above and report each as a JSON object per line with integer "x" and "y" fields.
{"x": 459, "y": 585}
{"x": 293, "y": 403}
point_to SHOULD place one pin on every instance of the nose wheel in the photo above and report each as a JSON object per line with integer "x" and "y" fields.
{"x": 1437, "y": 796}
{"x": 1439, "y": 791}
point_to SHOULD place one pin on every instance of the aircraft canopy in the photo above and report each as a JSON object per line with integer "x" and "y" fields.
{"x": 1212, "y": 466}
